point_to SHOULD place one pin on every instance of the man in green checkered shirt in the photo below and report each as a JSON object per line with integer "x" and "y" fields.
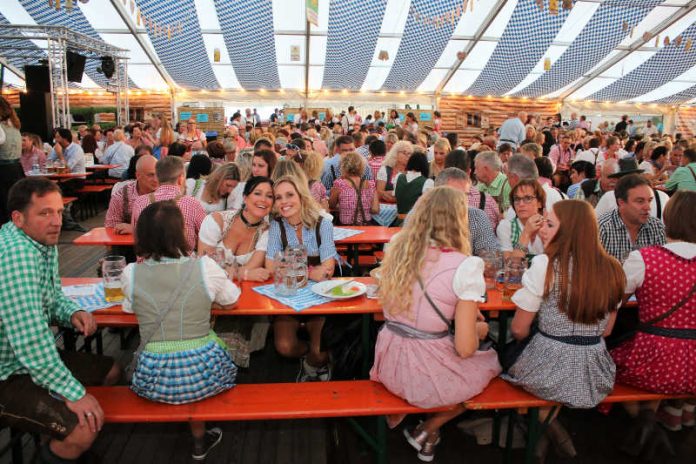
{"x": 41, "y": 390}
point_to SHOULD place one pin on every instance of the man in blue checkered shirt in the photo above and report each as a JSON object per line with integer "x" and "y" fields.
{"x": 41, "y": 390}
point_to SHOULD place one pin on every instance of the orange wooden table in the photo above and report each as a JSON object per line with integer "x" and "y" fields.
{"x": 102, "y": 167}
{"x": 370, "y": 235}
{"x": 61, "y": 176}
{"x": 104, "y": 236}
{"x": 107, "y": 237}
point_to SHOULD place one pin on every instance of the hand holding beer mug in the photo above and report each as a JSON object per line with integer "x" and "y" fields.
{"x": 112, "y": 269}
{"x": 513, "y": 272}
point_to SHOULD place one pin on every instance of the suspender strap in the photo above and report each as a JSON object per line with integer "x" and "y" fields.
{"x": 284, "y": 237}
{"x": 127, "y": 212}
{"x": 693, "y": 173}
{"x": 359, "y": 208}
{"x": 658, "y": 203}
{"x": 482, "y": 201}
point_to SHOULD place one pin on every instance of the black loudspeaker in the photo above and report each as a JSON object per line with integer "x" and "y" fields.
{"x": 76, "y": 66}
{"x": 37, "y": 79}
{"x": 108, "y": 66}
{"x": 36, "y": 114}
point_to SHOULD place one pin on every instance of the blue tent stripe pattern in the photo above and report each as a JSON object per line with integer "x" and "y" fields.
{"x": 528, "y": 35}
{"x": 74, "y": 20}
{"x": 31, "y": 53}
{"x": 247, "y": 27}
{"x": 680, "y": 97}
{"x": 665, "y": 65}
{"x": 421, "y": 45}
{"x": 184, "y": 55}
{"x": 351, "y": 41}
{"x": 598, "y": 38}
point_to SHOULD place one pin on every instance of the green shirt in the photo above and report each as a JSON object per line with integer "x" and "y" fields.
{"x": 683, "y": 178}
{"x": 30, "y": 298}
{"x": 498, "y": 189}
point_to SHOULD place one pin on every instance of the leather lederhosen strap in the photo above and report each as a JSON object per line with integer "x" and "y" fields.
{"x": 127, "y": 212}
{"x": 693, "y": 173}
{"x": 482, "y": 202}
{"x": 359, "y": 208}
{"x": 311, "y": 260}
{"x": 658, "y": 203}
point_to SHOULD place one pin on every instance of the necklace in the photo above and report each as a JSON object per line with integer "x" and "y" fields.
{"x": 295, "y": 225}
{"x": 248, "y": 224}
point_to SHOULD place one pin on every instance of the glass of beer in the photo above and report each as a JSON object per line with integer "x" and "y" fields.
{"x": 512, "y": 280}
{"x": 112, "y": 270}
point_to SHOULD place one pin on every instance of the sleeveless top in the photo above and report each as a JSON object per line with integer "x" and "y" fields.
{"x": 668, "y": 278}
{"x": 189, "y": 316}
{"x": 409, "y": 192}
{"x": 12, "y": 148}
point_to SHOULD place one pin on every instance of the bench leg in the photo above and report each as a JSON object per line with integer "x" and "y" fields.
{"x": 377, "y": 443}
{"x": 17, "y": 451}
{"x": 507, "y": 454}
{"x": 533, "y": 435}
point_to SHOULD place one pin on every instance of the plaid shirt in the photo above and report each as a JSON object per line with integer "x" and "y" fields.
{"x": 190, "y": 207}
{"x": 31, "y": 298}
{"x": 481, "y": 234}
{"x": 617, "y": 241}
{"x": 119, "y": 212}
{"x": 490, "y": 207}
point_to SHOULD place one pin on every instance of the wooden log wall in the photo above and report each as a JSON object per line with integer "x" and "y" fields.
{"x": 686, "y": 121}
{"x": 146, "y": 103}
{"x": 469, "y": 116}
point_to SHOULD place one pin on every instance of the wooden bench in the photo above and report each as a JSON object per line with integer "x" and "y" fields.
{"x": 311, "y": 400}
{"x": 344, "y": 399}
{"x": 89, "y": 196}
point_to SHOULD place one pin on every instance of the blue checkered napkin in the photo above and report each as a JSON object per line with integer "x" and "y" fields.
{"x": 342, "y": 234}
{"x": 386, "y": 215}
{"x": 95, "y": 300}
{"x": 305, "y": 297}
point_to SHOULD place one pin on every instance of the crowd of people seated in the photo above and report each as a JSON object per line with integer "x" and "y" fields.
{"x": 596, "y": 216}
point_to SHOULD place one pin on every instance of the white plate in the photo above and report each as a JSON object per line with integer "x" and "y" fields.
{"x": 324, "y": 289}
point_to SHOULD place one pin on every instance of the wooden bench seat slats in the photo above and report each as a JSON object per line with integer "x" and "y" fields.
{"x": 316, "y": 400}
{"x": 260, "y": 402}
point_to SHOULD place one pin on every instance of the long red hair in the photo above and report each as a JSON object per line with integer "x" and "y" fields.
{"x": 591, "y": 282}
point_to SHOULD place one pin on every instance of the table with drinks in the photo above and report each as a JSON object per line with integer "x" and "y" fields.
{"x": 56, "y": 170}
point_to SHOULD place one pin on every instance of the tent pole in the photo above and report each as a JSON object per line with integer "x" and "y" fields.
{"x": 306, "y": 76}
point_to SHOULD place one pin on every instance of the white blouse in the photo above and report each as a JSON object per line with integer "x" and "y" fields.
{"x": 208, "y": 207}
{"x": 212, "y": 235}
{"x": 411, "y": 175}
{"x": 234, "y": 201}
{"x": 468, "y": 283}
{"x": 530, "y": 296}
{"x": 634, "y": 266}
{"x": 504, "y": 232}
{"x": 220, "y": 289}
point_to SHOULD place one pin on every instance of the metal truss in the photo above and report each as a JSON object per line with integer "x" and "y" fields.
{"x": 58, "y": 40}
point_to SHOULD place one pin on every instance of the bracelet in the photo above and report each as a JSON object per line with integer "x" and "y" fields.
{"x": 519, "y": 246}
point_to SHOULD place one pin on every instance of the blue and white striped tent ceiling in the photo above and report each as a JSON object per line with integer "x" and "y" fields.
{"x": 603, "y": 50}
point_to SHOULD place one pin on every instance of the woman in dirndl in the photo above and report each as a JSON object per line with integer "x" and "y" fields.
{"x": 180, "y": 359}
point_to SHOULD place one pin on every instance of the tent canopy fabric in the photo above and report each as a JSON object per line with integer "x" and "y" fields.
{"x": 601, "y": 50}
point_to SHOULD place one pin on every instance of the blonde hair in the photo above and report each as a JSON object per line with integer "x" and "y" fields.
{"x": 390, "y": 159}
{"x": 243, "y": 162}
{"x": 288, "y": 168}
{"x": 313, "y": 165}
{"x": 440, "y": 217}
{"x": 443, "y": 144}
{"x": 309, "y": 208}
{"x": 215, "y": 178}
{"x": 352, "y": 164}
{"x": 166, "y": 133}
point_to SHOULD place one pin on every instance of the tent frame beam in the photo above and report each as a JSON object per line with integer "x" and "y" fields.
{"x": 118, "y": 6}
{"x": 635, "y": 46}
{"x": 470, "y": 46}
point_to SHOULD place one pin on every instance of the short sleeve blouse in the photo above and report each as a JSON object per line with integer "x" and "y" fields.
{"x": 327, "y": 250}
{"x": 530, "y": 296}
{"x": 468, "y": 283}
{"x": 211, "y": 234}
{"x": 634, "y": 266}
